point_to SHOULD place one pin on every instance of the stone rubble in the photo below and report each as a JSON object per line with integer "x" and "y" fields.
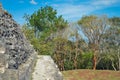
{"x": 17, "y": 47}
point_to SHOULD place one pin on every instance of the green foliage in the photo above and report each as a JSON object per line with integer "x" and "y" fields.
{"x": 29, "y": 33}
{"x": 87, "y": 60}
{"x": 87, "y": 21}
{"x": 69, "y": 65}
{"x": 94, "y": 28}
{"x": 46, "y": 48}
{"x": 45, "y": 19}
{"x": 115, "y": 21}
{"x": 49, "y": 33}
{"x": 109, "y": 61}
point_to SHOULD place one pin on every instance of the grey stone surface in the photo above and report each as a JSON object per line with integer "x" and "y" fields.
{"x": 17, "y": 57}
{"x": 46, "y": 69}
{"x": 17, "y": 47}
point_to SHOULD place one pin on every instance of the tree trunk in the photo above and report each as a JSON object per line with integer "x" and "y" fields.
{"x": 94, "y": 61}
{"x": 113, "y": 66}
{"x": 118, "y": 60}
{"x": 35, "y": 32}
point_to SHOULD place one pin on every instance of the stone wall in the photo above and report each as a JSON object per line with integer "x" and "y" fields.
{"x": 17, "y": 47}
{"x": 24, "y": 72}
{"x": 17, "y": 56}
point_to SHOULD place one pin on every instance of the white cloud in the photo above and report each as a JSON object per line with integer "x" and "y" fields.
{"x": 70, "y": 11}
{"x": 73, "y": 11}
{"x": 33, "y": 2}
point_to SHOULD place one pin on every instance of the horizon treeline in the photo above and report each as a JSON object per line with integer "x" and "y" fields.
{"x": 93, "y": 42}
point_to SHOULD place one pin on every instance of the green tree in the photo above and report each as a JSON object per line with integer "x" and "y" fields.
{"x": 45, "y": 19}
{"x": 44, "y": 23}
{"x": 112, "y": 41}
{"x": 29, "y": 33}
{"x": 94, "y": 28}
{"x": 116, "y": 27}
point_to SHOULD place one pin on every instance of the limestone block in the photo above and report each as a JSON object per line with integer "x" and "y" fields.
{"x": 46, "y": 69}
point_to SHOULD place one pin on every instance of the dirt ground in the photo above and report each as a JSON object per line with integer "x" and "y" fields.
{"x": 84, "y": 74}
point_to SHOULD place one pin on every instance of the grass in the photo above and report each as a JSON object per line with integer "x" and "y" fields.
{"x": 85, "y": 74}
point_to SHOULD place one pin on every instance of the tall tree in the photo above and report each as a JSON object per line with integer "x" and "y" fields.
{"x": 114, "y": 38}
{"x": 94, "y": 28}
{"x": 45, "y": 19}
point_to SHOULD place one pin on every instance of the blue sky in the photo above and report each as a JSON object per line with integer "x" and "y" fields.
{"x": 72, "y": 10}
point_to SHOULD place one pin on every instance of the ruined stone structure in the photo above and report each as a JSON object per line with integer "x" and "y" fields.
{"x": 17, "y": 47}
{"x": 17, "y": 57}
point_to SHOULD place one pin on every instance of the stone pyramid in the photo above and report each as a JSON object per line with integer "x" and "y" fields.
{"x": 12, "y": 41}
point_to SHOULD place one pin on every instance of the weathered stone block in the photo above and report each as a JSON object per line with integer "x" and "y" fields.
{"x": 17, "y": 56}
{"x": 46, "y": 69}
